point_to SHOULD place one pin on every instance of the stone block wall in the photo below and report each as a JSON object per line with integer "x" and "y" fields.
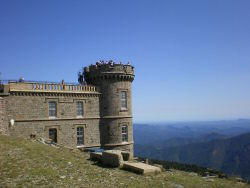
{"x": 30, "y": 113}
{"x": 36, "y": 107}
{"x": 112, "y": 130}
{"x": 66, "y": 131}
{"x": 111, "y": 104}
{"x": 3, "y": 118}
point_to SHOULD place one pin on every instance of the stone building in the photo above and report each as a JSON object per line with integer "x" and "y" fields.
{"x": 96, "y": 112}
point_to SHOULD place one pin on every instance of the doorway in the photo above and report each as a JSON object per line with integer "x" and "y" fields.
{"x": 53, "y": 135}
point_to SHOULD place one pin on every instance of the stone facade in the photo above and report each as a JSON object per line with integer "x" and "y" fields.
{"x": 3, "y": 118}
{"x": 105, "y": 122}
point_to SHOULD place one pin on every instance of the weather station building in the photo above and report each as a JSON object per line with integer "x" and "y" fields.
{"x": 96, "y": 112}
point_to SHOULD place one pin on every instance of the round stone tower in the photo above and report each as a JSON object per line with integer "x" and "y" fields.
{"x": 114, "y": 81}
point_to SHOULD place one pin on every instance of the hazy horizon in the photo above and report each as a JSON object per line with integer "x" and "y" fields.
{"x": 190, "y": 121}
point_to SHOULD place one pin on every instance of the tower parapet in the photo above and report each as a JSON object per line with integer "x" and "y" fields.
{"x": 109, "y": 70}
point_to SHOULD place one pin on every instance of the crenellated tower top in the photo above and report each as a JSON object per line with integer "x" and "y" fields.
{"x": 108, "y": 71}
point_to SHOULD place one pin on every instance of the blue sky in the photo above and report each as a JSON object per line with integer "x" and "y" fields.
{"x": 191, "y": 58}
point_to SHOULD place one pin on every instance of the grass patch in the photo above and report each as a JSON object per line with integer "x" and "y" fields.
{"x": 27, "y": 163}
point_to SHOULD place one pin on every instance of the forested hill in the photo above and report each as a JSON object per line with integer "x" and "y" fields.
{"x": 230, "y": 155}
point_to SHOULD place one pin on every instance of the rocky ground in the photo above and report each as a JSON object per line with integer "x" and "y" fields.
{"x": 28, "y": 163}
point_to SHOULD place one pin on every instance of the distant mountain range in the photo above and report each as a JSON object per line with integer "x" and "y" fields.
{"x": 165, "y": 131}
{"x": 222, "y": 145}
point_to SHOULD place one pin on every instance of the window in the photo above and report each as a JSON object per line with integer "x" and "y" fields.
{"x": 52, "y": 109}
{"x": 123, "y": 100}
{"x": 80, "y": 136}
{"x": 79, "y": 109}
{"x": 124, "y": 133}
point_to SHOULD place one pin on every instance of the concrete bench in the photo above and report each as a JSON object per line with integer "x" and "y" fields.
{"x": 140, "y": 168}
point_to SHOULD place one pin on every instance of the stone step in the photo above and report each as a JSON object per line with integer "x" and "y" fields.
{"x": 96, "y": 156}
{"x": 140, "y": 168}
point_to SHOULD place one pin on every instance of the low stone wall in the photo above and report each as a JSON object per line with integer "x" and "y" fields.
{"x": 96, "y": 156}
{"x": 112, "y": 158}
{"x": 126, "y": 155}
{"x": 3, "y": 118}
